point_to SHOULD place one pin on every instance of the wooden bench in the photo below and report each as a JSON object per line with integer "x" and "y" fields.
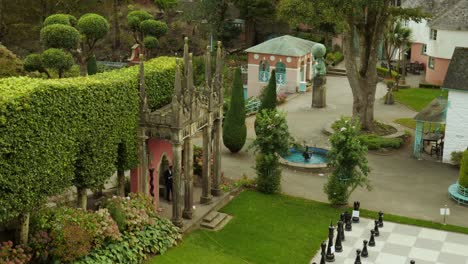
{"x": 458, "y": 193}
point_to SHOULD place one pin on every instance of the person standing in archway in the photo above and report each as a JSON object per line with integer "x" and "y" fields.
{"x": 168, "y": 181}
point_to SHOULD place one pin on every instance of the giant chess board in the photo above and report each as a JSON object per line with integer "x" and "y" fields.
{"x": 399, "y": 244}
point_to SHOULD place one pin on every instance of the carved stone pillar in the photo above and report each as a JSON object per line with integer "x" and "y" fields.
{"x": 188, "y": 170}
{"x": 319, "y": 92}
{"x": 176, "y": 184}
{"x": 143, "y": 160}
{"x": 216, "y": 191}
{"x": 206, "y": 195}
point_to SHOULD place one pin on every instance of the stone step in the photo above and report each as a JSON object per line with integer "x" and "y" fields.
{"x": 336, "y": 73}
{"x": 210, "y": 217}
{"x": 215, "y": 222}
{"x": 337, "y": 70}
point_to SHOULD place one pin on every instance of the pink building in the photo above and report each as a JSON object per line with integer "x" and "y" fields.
{"x": 291, "y": 57}
{"x": 434, "y": 40}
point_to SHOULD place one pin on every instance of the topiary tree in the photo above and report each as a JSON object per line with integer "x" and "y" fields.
{"x": 234, "y": 129}
{"x": 463, "y": 180}
{"x": 92, "y": 66}
{"x": 145, "y": 29}
{"x": 79, "y": 37}
{"x": 272, "y": 139}
{"x": 269, "y": 98}
{"x": 348, "y": 158}
{"x": 33, "y": 62}
{"x": 58, "y": 60}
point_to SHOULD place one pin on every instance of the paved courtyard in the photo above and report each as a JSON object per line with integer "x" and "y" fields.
{"x": 401, "y": 184}
{"x": 399, "y": 244}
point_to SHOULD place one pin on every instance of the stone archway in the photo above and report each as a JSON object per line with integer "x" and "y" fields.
{"x": 162, "y": 167}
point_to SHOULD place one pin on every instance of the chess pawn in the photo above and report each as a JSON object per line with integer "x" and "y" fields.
{"x": 380, "y": 219}
{"x": 341, "y": 230}
{"x": 322, "y": 253}
{"x": 364, "y": 252}
{"x": 338, "y": 246}
{"x": 376, "y": 228}
{"x": 358, "y": 257}
{"x": 331, "y": 233}
{"x": 372, "y": 239}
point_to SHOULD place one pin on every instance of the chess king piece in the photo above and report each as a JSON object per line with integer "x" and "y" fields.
{"x": 372, "y": 239}
{"x": 358, "y": 257}
{"x": 338, "y": 246}
{"x": 331, "y": 234}
{"x": 364, "y": 252}
{"x": 348, "y": 226}
{"x": 323, "y": 252}
{"x": 356, "y": 209}
{"x": 330, "y": 256}
{"x": 376, "y": 228}
{"x": 341, "y": 230}
{"x": 380, "y": 219}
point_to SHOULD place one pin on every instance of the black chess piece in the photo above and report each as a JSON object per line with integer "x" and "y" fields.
{"x": 341, "y": 230}
{"x": 376, "y": 229}
{"x": 342, "y": 217}
{"x": 357, "y": 205}
{"x": 330, "y": 256}
{"x": 348, "y": 226}
{"x": 413, "y": 262}
{"x": 358, "y": 257}
{"x": 338, "y": 245}
{"x": 372, "y": 239}
{"x": 331, "y": 234}
{"x": 364, "y": 252}
{"x": 381, "y": 219}
{"x": 322, "y": 253}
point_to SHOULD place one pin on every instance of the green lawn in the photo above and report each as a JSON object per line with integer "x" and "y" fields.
{"x": 265, "y": 229}
{"x": 417, "y": 98}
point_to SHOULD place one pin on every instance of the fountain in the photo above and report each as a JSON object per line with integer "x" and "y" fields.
{"x": 311, "y": 158}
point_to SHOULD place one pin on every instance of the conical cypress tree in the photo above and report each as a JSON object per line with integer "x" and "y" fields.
{"x": 269, "y": 100}
{"x": 234, "y": 129}
{"x": 463, "y": 180}
{"x": 92, "y": 66}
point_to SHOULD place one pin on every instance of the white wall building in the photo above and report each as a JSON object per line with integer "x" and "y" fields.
{"x": 435, "y": 39}
{"x": 456, "y": 81}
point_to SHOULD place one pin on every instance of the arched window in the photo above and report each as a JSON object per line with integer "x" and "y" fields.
{"x": 264, "y": 71}
{"x": 280, "y": 73}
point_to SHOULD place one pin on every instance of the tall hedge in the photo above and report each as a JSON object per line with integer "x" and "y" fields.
{"x": 234, "y": 129}
{"x": 50, "y": 129}
{"x": 463, "y": 180}
{"x": 269, "y": 98}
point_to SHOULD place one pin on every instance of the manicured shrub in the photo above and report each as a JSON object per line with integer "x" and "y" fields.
{"x": 135, "y": 18}
{"x": 234, "y": 129}
{"x": 93, "y": 26}
{"x": 456, "y": 157}
{"x": 375, "y": 142}
{"x": 151, "y": 42}
{"x": 92, "y": 66}
{"x": 463, "y": 180}
{"x": 154, "y": 28}
{"x": 10, "y": 254}
{"x": 383, "y": 72}
{"x": 58, "y": 60}
{"x": 268, "y": 173}
{"x": 48, "y": 127}
{"x": 62, "y": 19}
{"x": 348, "y": 158}
{"x": 60, "y": 36}
{"x": 269, "y": 99}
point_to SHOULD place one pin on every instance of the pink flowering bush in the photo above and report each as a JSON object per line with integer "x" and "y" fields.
{"x": 281, "y": 98}
{"x": 10, "y": 254}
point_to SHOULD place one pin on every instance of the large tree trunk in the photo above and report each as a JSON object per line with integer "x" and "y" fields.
{"x": 361, "y": 67}
{"x": 82, "y": 198}
{"x": 23, "y": 229}
{"x": 250, "y": 32}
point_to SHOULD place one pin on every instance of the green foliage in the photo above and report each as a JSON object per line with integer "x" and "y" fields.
{"x": 234, "y": 129}
{"x": 272, "y": 139}
{"x": 418, "y": 98}
{"x": 62, "y": 19}
{"x": 18, "y": 254}
{"x": 135, "y": 18}
{"x": 151, "y": 42}
{"x": 456, "y": 157}
{"x": 197, "y": 160}
{"x": 154, "y": 28}
{"x": 335, "y": 57}
{"x": 92, "y": 66}
{"x": 66, "y": 234}
{"x": 93, "y": 26}
{"x": 60, "y": 36}
{"x": 138, "y": 245}
{"x": 10, "y": 65}
{"x": 47, "y": 127}
{"x": 57, "y": 59}
{"x": 269, "y": 99}
{"x": 463, "y": 180}
{"x": 166, "y": 4}
{"x": 33, "y": 62}
{"x": 383, "y": 72}
{"x": 375, "y": 142}
{"x": 268, "y": 173}
{"x": 347, "y": 157}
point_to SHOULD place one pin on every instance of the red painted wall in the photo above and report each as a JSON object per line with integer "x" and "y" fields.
{"x": 437, "y": 75}
{"x": 416, "y": 54}
{"x": 157, "y": 148}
